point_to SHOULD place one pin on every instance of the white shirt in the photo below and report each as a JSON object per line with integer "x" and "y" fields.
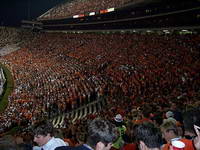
{"x": 36, "y": 148}
{"x": 53, "y": 143}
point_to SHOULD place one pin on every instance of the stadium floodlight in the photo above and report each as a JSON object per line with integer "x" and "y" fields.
{"x": 91, "y": 13}
{"x": 165, "y": 30}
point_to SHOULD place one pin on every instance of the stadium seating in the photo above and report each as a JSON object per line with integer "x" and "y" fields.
{"x": 78, "y": 7}
{"x": 56, "y": 73}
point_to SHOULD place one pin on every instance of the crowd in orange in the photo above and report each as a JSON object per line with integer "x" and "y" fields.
{"x": 60, "y": 72}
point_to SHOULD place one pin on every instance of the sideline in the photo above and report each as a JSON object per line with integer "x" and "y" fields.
{"x": 8, "y": 87}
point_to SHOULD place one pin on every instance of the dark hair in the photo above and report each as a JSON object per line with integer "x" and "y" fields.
{"x": 146, "y": 110}
{"x": 191, "y": 118}
{"x": 158, "y": 119}
{"x": 149, "y": 134}
{"x": 44, "y": 128}
{"x": 101, "y": 131}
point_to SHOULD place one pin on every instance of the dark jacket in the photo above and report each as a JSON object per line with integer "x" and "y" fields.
{"x": 82, "y": 147}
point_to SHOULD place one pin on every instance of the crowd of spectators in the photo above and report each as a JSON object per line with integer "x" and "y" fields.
{"x": 77, "y": 7}
{"x": 63, "y": 82}
{"x": 8, "y": 36}
{"x": 12, "y": 38}
{"x": 142, "y": 75}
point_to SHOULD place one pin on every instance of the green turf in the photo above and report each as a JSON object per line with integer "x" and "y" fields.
{"x": 8, "y": 87}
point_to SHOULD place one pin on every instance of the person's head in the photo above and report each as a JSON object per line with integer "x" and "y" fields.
{"x": 191, "y": 118}
{"x": 169, "y": 114}
{"x": 43, "y": 133}
{"x": 157, "y": 119}
{"x": 148, "y": 136}
{"x": 169, "y": 130}
{"x": 101, "y": 134}
{"x": 146, "y": 111}
{"x": 173, "y": 106}
{"x": 118, "y": 120}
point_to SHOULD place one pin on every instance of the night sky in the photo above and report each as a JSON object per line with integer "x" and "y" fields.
{"x": 13, "y": 11}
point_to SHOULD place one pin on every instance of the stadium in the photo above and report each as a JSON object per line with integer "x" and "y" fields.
{"x": 85, "y": 59}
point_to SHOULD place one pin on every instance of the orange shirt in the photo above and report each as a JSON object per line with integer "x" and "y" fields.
{"x": 188, "y": 145}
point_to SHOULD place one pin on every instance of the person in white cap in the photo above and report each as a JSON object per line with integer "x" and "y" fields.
{"x": 169, "y": 117}
{"x": 118, "y": 118}
{"x": 121, "y": 129}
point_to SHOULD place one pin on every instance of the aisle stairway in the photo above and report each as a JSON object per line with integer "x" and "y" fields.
{"x": 91, "y": 108}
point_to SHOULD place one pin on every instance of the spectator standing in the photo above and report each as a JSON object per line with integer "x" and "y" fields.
{"x": 121, "y": 130}
{"x": 176, "y": 112}
{"x": 170, "y": 133}
{"x": 191, "y": 120}
{"x": 43, "y": 136}
{"x": 101, "y": 134}
{"x": 148, "y": 136}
